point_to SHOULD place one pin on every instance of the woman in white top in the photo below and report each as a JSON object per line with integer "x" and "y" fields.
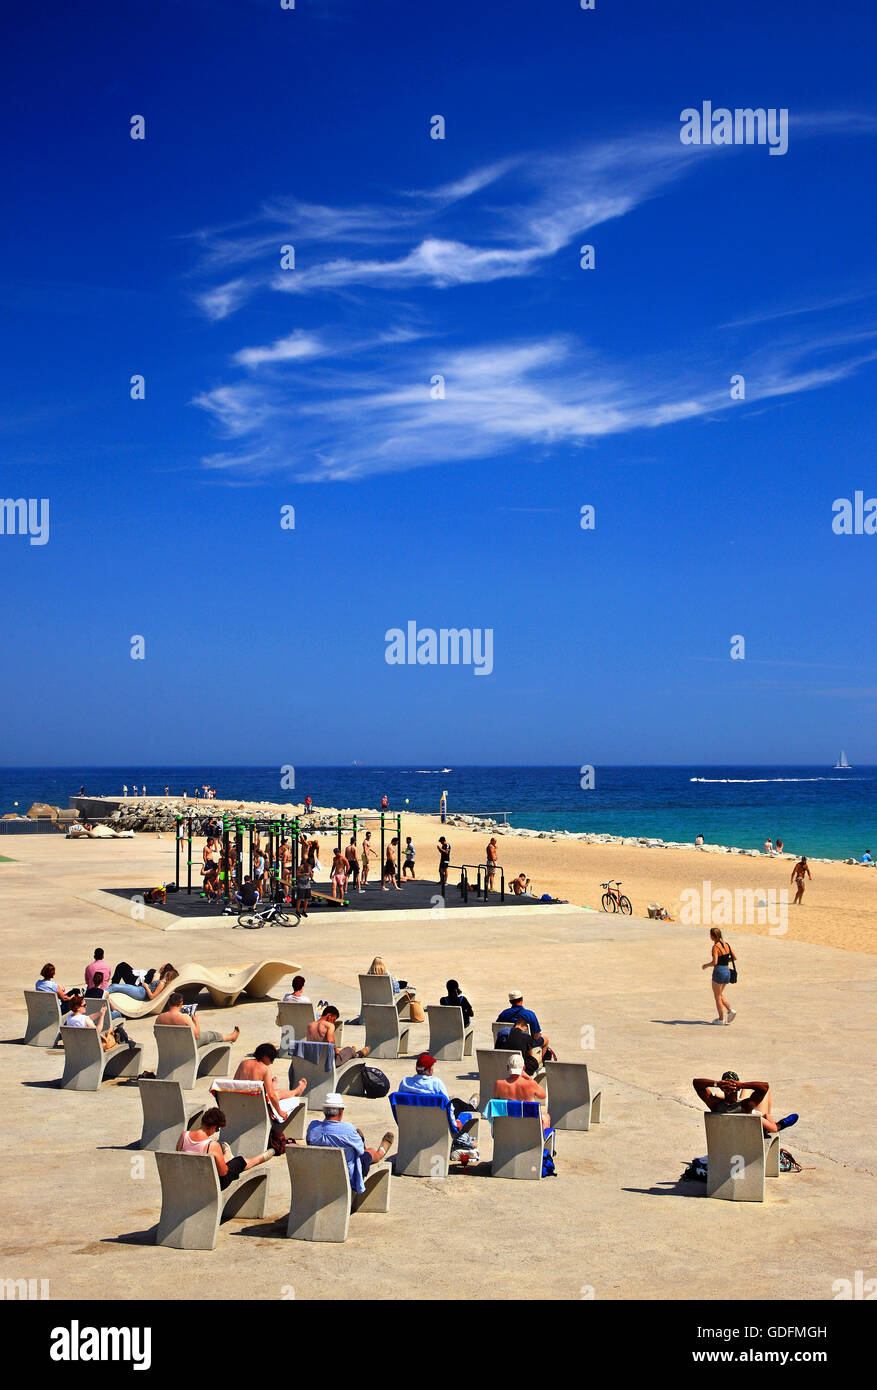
{"x": 203, "y": 1141}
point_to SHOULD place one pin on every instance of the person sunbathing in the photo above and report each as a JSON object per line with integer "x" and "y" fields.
{"x": 521, "y": 1087}
{"x": 166, "y": 977}
{"x": 323, "y": 1030}
{"x": 258, "y": 1068}
{"x": 732, "y": 1101}
{"x": 174, "y": 1016}
{"x": 202, "y": 1140}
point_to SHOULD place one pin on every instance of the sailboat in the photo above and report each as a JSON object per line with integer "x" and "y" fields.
{"x": 842, "y": 765}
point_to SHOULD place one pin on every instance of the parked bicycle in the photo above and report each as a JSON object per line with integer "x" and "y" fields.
{"x": 612, "y": 900}
{"x": 269, "y": 914}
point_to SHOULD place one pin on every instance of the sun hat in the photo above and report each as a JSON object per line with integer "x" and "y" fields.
{"x": 333, "y": 1101}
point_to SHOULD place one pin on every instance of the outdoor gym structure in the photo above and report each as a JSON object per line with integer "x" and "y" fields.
{"x": 242, "y": 836}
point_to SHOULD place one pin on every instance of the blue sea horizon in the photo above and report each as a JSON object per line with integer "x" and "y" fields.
{"x": 815, "y": 810}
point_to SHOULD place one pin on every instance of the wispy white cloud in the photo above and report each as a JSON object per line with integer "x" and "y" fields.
{"x": 294, "y": 348}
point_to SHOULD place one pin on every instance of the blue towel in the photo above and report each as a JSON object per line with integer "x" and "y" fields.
{"x": 315, "y": 1053}
{"x": 432, "y": 1102}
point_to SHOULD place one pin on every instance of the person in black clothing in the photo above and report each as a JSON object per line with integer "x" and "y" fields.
{"x": 444, "y": 850}
{"x": 455, "y": 996}
{"x": 249, "y": 894}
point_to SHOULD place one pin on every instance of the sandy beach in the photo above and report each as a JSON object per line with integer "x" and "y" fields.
{"x": 839, "y": 907}
{"x": 618, "y": 1225}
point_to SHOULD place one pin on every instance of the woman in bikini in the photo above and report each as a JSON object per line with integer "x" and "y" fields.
{"x": 720, "y": 961}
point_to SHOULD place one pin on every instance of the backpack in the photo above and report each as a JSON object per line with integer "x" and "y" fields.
{"x": 501, "y": 1040}
{"x": 788, "y": 1163}
{"x": 549, "y": 1169}
{"x": 374, "y": 1083}
{"x": 696, "y": 1171}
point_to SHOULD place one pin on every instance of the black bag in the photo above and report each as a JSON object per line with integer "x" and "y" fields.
{"x": 121, "y": 1036}
{"x": 374, "y": 1083}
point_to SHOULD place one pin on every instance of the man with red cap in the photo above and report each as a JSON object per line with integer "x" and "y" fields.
{"x": 424, "y": 1083}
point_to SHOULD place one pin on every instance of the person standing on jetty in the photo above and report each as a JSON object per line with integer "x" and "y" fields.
{"x": 720, "y": 960}
{"x": 800, "y": 869}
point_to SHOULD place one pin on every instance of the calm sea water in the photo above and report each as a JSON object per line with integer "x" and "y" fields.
{"x": 814, "y": 810}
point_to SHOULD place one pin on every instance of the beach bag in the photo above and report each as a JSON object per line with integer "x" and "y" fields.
{"x": 374, "y": 1083}
{"x": 549, "y": 1169}
{"x": 696, "y": 1171}
{"x": 121, "y": 1036}
{"x": 415, "y": 1009}
{"x": 788, "y": 1163}
{"x": 108, "y": 1041}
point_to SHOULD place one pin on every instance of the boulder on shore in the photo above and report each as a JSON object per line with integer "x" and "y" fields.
{"x": 41, "y": 811}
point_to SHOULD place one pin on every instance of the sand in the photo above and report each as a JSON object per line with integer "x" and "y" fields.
{"x": 81, "y": 1202}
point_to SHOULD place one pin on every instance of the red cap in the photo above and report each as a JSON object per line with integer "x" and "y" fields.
{"x": 424, "y": 1062}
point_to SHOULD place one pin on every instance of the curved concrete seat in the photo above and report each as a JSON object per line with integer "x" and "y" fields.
{"x": 43, "y": 1018}
{"x": 181, "y": 1059}
{"x": 223, "y": 986}
{"x": 497, "y": 1028}
{"x": 573, "y": 1104}
{"x": 384, "y": 1034}
{"x": 492, "y": 1067}
{"x": 86, "y": 1064}
{"x": 193, "y": 1204}
{"x": 518, "y": 1143}
{"x": 293, "y": 1017}
{"x": 423, "y": 1148}
{"x": 739, "y": 1157}
{"x": 346, "y": 1079}
{"x": 321, "y": 1201}
{"x": 248, "y": 1121}
{"x": 164, "y": 1114}
{"x": 377, "y": 989}
{"x": 449, "y": 1039}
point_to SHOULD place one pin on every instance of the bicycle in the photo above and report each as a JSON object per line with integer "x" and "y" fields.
{"x": 266, "y": 914}
{"x": 618, "y": 902}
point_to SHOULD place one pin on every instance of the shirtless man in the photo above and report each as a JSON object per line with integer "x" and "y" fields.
{"x": 258, "y": 1068}
{"x": 800, "y": 869}
{"x": 339, "y": 874}
{"x": 323, "y": 1030}
{"x": 389, "y": 875}
{"x": 368, "y": 854}
{"x": 285, "y": 858}
{"x": 521, "y": 1087}
{"x": 731, "y": 1101}
{"x": 351, "y": 854}
{"x": 174, "y": 1016}
{"x": 491, "y": 857}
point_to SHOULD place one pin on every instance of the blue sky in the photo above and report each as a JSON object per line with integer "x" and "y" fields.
{"x": 310, "y": 387}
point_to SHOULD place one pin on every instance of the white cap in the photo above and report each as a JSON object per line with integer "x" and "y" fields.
{"x": 333, "y": 1101}
{"x": 515, "y": 994}
{"x": 515, "y": 1064}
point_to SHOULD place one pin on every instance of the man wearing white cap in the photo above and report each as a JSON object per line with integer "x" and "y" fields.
{"x": 520, "y": 1087}
{"x": 333, "y": 1132}
{"x": 517, "y": 1016}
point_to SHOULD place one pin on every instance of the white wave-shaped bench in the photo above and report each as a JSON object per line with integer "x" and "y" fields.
{"x": 223, "y": 986}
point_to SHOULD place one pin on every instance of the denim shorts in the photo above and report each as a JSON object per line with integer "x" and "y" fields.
{"x": 721, "y": 975}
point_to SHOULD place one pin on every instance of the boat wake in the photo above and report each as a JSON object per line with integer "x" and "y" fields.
{"x": 747, "y": 780}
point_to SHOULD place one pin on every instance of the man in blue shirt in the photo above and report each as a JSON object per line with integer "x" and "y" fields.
{"x": 517, "y": 1015}
{"x": 424, "y": 1083}
{"x": 333, "y": 1132}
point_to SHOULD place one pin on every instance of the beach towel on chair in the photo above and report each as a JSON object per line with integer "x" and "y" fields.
{"x": 315, "y": 1053}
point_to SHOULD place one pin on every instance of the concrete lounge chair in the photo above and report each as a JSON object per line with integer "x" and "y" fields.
{"x": 223, "y": 986}
{"x": 519, "y": 1141}
{"x": 384, "y": 1034}
{"x": 425, "y": 1136}
{"x": 321, "y": 1200}
{"x": 346, "y": 1079}
{"x": 498, "y": 1028}
{"x": 295, "y": 1015}
{"x": 492, "y": 1067}
{"x": 449, "y": 1039}
{"x": 739, "y": 1157}
{"x": 180, "y": 1058}
{"x": 248, "y": 1120}
{"x": 164, "y": 1114}
{"x": 573, "y": 1104}
{"x": 193, "y": 1204}
{"x": 43, "y": 1018}
{"x": 377, "y": 989}
{"x": 86, "y": 1064}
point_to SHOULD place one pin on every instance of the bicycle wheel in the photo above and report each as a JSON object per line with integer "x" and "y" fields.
{"x": 251, "y": 920}
{"x": 624, "y": 904}
{"x": 608, "y": 902}
{"x": 288, "y": 919}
